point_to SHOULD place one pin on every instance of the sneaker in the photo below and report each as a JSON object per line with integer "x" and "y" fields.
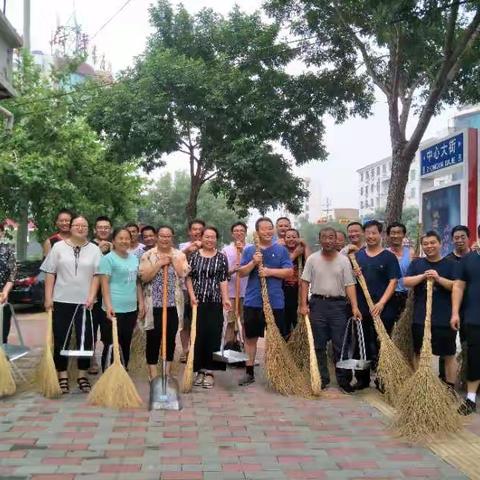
{"x": 325, "y": 385}
{"x": 200, "y": 377}
{"x": 346, "y": 389}
{"x": 467, "y": 407}
{"x": 247, "y": 379}
{"x": 361, "y": 386}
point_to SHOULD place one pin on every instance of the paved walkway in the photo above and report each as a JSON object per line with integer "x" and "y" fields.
{"x": 226, "y": 433}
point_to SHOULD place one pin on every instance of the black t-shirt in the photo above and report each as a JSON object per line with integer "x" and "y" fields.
{"x": 468, "y": 270}
{"x": 442, "y": 298}
{"x": 378, "y": 271}
{"x": 452, "y": 256}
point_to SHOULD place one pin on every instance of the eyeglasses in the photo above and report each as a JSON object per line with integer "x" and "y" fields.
{"x": 80, "y": 227}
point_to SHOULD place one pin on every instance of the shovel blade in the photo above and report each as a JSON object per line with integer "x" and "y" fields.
{"x": 230, "y": 356}
{"x": 164, "y": 394}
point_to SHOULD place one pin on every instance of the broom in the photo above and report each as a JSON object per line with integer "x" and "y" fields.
{"x": 426, "y": 408}
{"x": 47, "y": 380}
{"x": 115, "y": 388}
{"x": 187, "y": 382}
{"x": 315, "y": 378}
{"x": 136, "y": 364}
{"x": 392, "y": 369}
{"x": 282, "y": 373}
{"x": 7, "y": 382}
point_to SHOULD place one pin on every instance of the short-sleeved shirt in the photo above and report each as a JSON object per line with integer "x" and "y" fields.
{"x": 453, "y": 256}
{"x": 442, "y": 298}
{"x": 230, "y": 251}
{"x": 207, "y": 273}
{"x": 292, "y": 280}
{"x": 8, "y": 264}
{"x": 275, "y": 256}
{"x": 328, "y": 277}
{"x": 138, "y": 250}
{"x": 74, "y": 268}
{"x": 378, "y": 272}
{"x": 123, "y": 273}
{"x": 468, "y": 270}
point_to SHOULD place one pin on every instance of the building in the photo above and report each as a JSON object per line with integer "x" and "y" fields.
{"x": 9, "y": 41}
{"x": 374, "y": 182}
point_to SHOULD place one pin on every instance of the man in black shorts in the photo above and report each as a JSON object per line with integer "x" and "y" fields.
{"x": 276, "y": 267}
{"x": 442, "y": 271}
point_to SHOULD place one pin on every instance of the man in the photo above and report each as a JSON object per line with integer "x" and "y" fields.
{"x": 441, "y": 271}
{"x": 381, "y": 271}
{"x": 330, "y": 279}
{"x": 460, "y": 237}
{"x": 467, "y": 288}
{"x": 276, "y": 267}
{"x": 194, "y": 231}
{"x": 233, "y": 252}
{"x": 341, "y": 240}
{"x": 282, "y": 225}
{"x": 356, "y": 238}
{"x": 396, "y": 233}
{"x": 149, "y": 237}
{"x": 135, "y": 246}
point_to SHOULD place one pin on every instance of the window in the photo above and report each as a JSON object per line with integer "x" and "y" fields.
{"x": 361, "y": 190}
{"x": 361, "y": 204}
{"x": 378, "y": 202}
{"x": 372, "y": 173}
{"x": 366, "y": 175}
{"x": 361, "y": 176}
{"x": 371, "y": 202}
{"x": 384, "y": 168}
{"x": 378, "y": 170}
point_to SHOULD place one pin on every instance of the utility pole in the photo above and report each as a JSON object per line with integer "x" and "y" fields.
{"x": 327, "y": 208}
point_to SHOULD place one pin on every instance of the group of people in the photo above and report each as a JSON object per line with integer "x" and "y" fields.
{"x": 122, "y": 272}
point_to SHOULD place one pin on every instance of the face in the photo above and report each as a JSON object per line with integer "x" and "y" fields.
{"x": 239, "y": 233}
{"x": 328, "y": 240}
{"x": 340, "y": 240}
{"x": 134, "y": 233}
{"x": 164, "y": 238}
{"x": 149, "y": 238}
{"x": 63, "y": 222}
{"x": 195, "y": 232}
{"x": 431, "y": 246}
{"x": 372, "y": 236}
{"x": 460, "y": 240}
{"x": 265, "y": 231}
{"x": 291, "y": 239}
{"x": 355, "y": 234}
{"x": 103, "y": 229}
{"x": 122, "y": 241}
{"x": 79, "y": 228}
{"x": 209, "y": 239}
{"x": 282, "y": 226}
{"x": 396, "y": 236}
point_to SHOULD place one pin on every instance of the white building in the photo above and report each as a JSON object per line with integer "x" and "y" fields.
{"x": 374, "y": 182}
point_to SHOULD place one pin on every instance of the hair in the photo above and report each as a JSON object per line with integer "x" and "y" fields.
{"x": 64, "y": 211}
{"x": 149, "y": 227}
{"x": 103, "y": 218}
{"x": 432, "y": 233}
{"x": 396, "y": 225}
{"x": 293, "y": 230}
{"x": 461, "y": 228}
{"x": 118, "y": 230}
{"x": 74, "y": 217}
{"x": 351, "y": 224}
{"x": 342, "y": 232}
{"x": 327, "y": 229}
{"x": 239, "y": 224}
{"x": 132, "y": 224}
{"x": 168, "y": 227}
{"x": 262, "y": 219}
{"x": 373, "y": 223}
{"x": 283, "y": 218}
{"x": 213, "y": 229}
{"x": 196, "y": 220}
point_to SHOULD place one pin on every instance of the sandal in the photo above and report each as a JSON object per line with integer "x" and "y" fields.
{"x": 64, "y": 387}
{"x": 84, "y": 384}
{"x": 199, "y": 379}
{"x": 208, "y": 383}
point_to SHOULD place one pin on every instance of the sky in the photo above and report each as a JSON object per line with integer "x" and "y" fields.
{"x": 351, "y": 145}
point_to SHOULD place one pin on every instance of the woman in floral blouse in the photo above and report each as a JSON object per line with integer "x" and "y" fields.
{"x": 8, "y": 270}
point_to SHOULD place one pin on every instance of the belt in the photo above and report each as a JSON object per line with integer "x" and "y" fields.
{"x": 329, "y": 297}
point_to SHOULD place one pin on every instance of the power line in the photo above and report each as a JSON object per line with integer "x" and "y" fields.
{"x": 110, "y": 19}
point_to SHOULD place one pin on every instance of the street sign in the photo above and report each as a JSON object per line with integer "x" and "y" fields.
{"x": 441, "y": 155}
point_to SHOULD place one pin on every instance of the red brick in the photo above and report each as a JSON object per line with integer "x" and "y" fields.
{"x": 124, "y": 453}
{"x": 19, "y": 441}
{"x": 178, "y": 445}
{"x": 30, "y": 428}
{"x": 39, "y": 418}
{"x": 127, "y": 440}
{"x": 233, "y": 439}
{"x": 241, "y": 467}
{"x": 54, "y": 476}
{"x": 181, "y": 460}
{"x": 333, "y": 439}
{"x": 294, "y": 459}
{"x": 303, "y": 475}
{"x": 360, "y": 465}
{"x": 405, "y": 457}
{"x": 421, "y": 472}
{"x": 129, "y": 429}
{"x": 288, "y": 445}
{"x": 61, "y": 461}
{"x": 182, "y": 476}
{"x": 81, "y": 435}
{"x": 186, "y": 434}
{"x": 120, "y": 468}
{"x": 345, "y": 451}
{"x": 72, "y": 447}
{"x": 14, "y": 454}
{"x": 237, "y": 452}
{"x": 81, "y": 424}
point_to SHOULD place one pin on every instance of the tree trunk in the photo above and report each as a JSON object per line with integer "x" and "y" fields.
{"x": 22, "y": 233}
{"x": 191, "y": 208}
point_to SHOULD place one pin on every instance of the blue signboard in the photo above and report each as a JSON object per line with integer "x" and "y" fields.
{"x": 442, "y": 155}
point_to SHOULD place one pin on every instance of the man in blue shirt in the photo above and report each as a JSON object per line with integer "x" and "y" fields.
{"x": 276, "y": 267}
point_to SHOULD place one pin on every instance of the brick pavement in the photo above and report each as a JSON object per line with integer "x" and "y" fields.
{"x": 227, "y": 433}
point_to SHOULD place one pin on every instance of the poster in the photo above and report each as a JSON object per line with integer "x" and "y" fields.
{"x": 441, "y": 212}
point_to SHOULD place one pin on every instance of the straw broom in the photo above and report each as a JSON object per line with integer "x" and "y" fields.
{"x": 136, "y": 365}
{"x": 402, "y": 331}
{"x": 282, "y": 373}
{"x": 115, "y": 388}
{"x": 392, "y": 369}
{"x": 46, "y": 378}
{"x": 315, "y": 378}
{"x": 187, "y": 382}
{"x": 7, "y": 382}
{"x": 426, "y": 409}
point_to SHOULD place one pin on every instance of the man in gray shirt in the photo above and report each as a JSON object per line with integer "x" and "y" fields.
{"x": 330, "y": 279}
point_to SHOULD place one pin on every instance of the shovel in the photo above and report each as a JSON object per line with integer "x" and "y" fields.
{"x": 164, "y": 389}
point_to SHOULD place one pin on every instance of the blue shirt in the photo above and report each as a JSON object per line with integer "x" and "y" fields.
{"x": 275, "y": 256}
{"x": 404, "y": 262}
{"x": 123, "y": 274}
{"x": 468, "y": 270}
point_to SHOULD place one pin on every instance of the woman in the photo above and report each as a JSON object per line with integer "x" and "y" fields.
{"x": 8, "y": 270}
{"x": 151, "y": 273}
{"x": 208, "y": 289}
{"x": 299, "y": 252}
{"x": 62, "y": 223}
{"x": 71, "y": 284}
{"x": 121, "y": 292}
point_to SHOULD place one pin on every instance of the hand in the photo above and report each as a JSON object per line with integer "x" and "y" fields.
{"x": 299, "y": 249}
{"x": 357, "y": 315}
{"x": 357, "y": 272}
{"x": 105, "y": 246}
{"x": 455, "y": 321}
{"x": 227, "y": 305}
{"x": 377, "y": 309}
{"x": 163, "y": 260}
{"x": 193, "y": 301}
{"x": 263, "y": 272}
{"x": 303, "y": 310}
{"x": 239, "y": 246}
{"x": 432, "y": 274}
{"x": 141, "y": 311}
{"x": 257, "y": 258}
{"x": 48, "y": 304}
{"x": 3, "y": 298}
{"x": 90, "y": 302}
{"x": 351, "y": 248}
{"x": 110, "y": 313}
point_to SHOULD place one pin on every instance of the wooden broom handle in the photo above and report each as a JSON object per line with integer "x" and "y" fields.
{"x": 237, "y": 288}
{"x": 164, "y": 312}
{"x": 263, "y": 284}
{"x": 362, "y": 281}
{"x": 426, "y": 352}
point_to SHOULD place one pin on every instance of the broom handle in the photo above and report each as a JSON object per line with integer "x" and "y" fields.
{"x": 426, "y": 352}
{"x": 164, "y": 312}
{"x": 116, "y": 347}
{"x": 264, "y": 289}
{"x": 237, "y": 288}
{"x": 50, "y": 329}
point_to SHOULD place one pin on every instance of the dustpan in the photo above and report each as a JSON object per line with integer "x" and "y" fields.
{"x": 230, "y": 356}
{"x": 13, "y": 351}
{"x": 82, "y": 351}
{"x": 347, "y": 360}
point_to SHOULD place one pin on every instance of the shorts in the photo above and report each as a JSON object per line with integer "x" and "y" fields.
{"x": 254, "y": 321}
{"x": 443, "y": 340}
{"x": 472, "y": 337}
{"x": 231, "y": 313}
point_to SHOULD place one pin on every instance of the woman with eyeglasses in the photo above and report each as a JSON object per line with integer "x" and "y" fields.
{"x": 71, "y": 284}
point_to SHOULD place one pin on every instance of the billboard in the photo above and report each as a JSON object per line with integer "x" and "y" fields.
{"x": 441, "y": 212}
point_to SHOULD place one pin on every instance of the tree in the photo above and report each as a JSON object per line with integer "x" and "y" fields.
{"x": 164, "y": 204}
{"x": 216, "y": 89}
{"x": 409, "y": 218}
{"x": 309, "y": 231}
{"x": 421, "y": 55}
{"x": 52, "y": 159}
